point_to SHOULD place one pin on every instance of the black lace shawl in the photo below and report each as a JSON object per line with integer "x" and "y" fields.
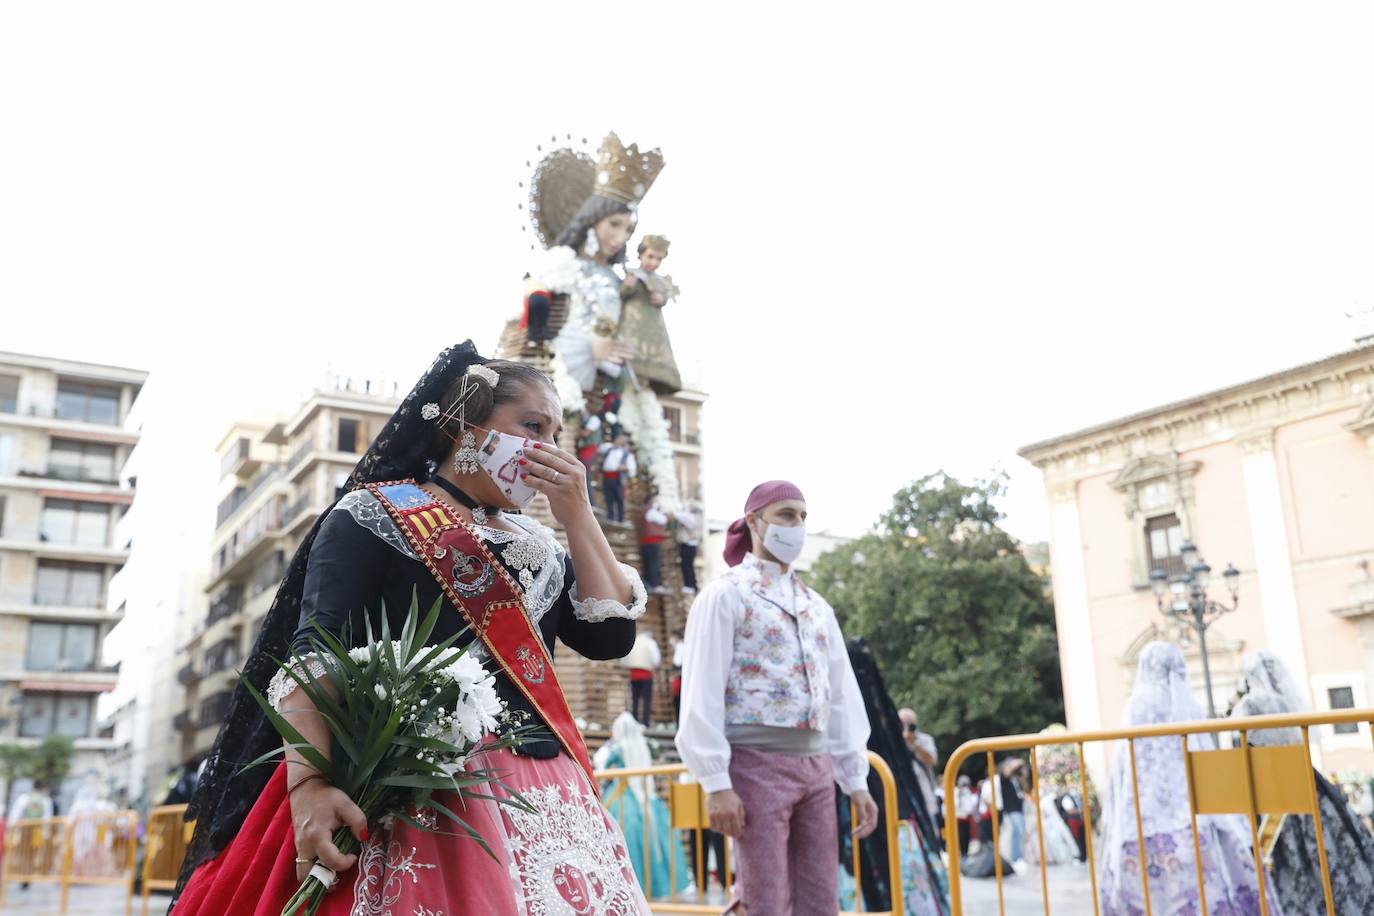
{"x": 887, "y": 741}
{"x": 225, "y": 795}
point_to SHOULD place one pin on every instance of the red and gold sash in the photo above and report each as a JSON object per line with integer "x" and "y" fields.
{"x": 489, "y": 600}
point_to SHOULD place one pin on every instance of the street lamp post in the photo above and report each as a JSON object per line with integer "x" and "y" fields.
{"x": 1183, "y": 597}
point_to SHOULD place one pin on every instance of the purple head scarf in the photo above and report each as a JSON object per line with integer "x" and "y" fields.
{"x": 737, "y": 541}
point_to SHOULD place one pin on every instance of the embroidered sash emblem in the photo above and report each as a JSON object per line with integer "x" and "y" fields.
{"x": 472, "y": 576}
{"x": 531, "y": 666}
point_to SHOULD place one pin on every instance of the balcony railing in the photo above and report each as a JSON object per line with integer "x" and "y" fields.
{"x": 302, "y": 450}
{"x": 222, "y": 656}
{"x": 226, "y": 604}
{"x": 83, "y": 474}
{"x": 187, "y": 674}
{"x": 183, "y": 722}
{"x": 55, "y": 412}
{"x": 214, "y": 708}
{"x": 1172, "y": 566}
{"x": 231, "y": 503}
{"x": 236, "y": 453}
{"x": 296, "y": 508}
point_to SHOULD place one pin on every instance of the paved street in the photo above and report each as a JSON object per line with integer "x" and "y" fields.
{"x": 1070, "y": 895}
{"x": 43, "y": 900}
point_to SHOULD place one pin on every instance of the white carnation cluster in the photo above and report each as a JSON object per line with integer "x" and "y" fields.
{"x": 477, "y": 711}
{"x": 641, "y": 416}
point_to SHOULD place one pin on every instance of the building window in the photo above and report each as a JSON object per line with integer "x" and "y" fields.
{"x": 9, "y": 394}
{"x": 673, "y": 417}
{"x": 44, "y": 714}
{"x": 221, "y": 656}
{"x": 90, "y": 461}
{"x": 89, "y": 403}
{"x": 68, "y": 584}
{"x": 69, "y": 521}
{"x": 214, "y": 708}
{"x": 267, "y": 573}
{"x": 348, "y": 436}
{"x": 1164, "y": 541}
{"x": 6, "y": 454}
{"x": 62, "y": 646}
{"x": 1342, "y": 698}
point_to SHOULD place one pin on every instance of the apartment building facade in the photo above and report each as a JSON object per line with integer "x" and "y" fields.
{"x": 65, "y": 435}
{"x": 275, "y": 479}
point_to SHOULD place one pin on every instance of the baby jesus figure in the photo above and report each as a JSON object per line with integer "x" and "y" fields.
{"x": 643, "y": 296}
{"x": 661, "y": 288}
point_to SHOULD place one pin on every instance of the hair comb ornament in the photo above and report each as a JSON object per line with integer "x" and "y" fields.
{"x": 490, "y": 376}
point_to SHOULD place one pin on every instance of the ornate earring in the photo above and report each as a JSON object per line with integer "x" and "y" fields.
{"x": 465, "y": 460}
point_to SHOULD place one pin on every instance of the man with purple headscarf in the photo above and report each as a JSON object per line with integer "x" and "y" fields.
{"x": 772, "y": 716}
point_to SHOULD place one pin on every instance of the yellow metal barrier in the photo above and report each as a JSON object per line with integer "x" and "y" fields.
{"x": 685, "y": 805}
{"x": 1255, "y": 782}
{"x": 89, "y": 849}
{"x": 165, "y": 846}
{"x": 101, "y": 849}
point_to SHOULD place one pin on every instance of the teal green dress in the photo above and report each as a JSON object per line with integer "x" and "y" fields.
{"x": 627, "y": 810}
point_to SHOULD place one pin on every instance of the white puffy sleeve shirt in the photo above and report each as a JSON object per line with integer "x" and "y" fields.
{"x": 708, "y": 660}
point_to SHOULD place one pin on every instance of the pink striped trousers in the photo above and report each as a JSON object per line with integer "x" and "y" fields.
{"x": 788, "y": 853}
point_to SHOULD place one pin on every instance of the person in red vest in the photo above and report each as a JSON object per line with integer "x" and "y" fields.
{"x": 534, "y": 317}
{"x": 644, "y": 657}
{"x": 651, "y": 537}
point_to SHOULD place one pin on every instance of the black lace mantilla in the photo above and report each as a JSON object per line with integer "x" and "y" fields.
{"x": 225, "y": 795}
{"x": 887, "y": 741}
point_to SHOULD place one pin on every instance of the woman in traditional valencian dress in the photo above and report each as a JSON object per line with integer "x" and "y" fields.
{"x": 1060, "y": 846}
{"x": 585, "y": 212}
{"x": 642, "y": 814}
{"x": 925, "y": 884}
{"x": 1270, "y": 690}
{"x": 428, "y": 513}
{"x": 1161, "y": 694}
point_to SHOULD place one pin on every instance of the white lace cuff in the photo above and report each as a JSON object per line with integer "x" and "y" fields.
{"x": 282, "y": 683}
{"x": 595, "y": 610}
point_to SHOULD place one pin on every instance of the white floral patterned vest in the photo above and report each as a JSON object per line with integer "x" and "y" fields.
{"x": 781, "y": 670}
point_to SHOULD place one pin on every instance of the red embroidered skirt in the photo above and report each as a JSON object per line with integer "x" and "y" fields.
{"x": 566, "y": 857}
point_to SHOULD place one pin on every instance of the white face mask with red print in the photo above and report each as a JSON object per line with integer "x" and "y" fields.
{"x": 499, "y": 455}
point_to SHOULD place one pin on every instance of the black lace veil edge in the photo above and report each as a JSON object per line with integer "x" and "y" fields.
{"x": 224, "y": 795}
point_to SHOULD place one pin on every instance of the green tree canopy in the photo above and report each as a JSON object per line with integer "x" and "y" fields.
{"x": 52, "y": 760}
{"x": 961, "y": 625}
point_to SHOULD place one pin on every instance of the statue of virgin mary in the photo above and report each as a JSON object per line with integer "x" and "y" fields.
{"x": 585, "y": 212}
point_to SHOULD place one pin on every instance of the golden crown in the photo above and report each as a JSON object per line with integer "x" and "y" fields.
{"x": 625, "y": 174}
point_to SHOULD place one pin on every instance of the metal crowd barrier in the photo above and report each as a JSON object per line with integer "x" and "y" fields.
{"x": 685, "y": 804}
{"x": 89, "y": 849}
{"x": 1267, "y": 782}
{"x": 165, "y": 847}
{"x": 55, "y": 850}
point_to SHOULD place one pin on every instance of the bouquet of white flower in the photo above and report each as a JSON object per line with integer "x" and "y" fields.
{"x": 405, "y": 718}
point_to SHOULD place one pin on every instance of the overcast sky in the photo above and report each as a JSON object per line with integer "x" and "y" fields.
{"x": 909, "y": 236}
